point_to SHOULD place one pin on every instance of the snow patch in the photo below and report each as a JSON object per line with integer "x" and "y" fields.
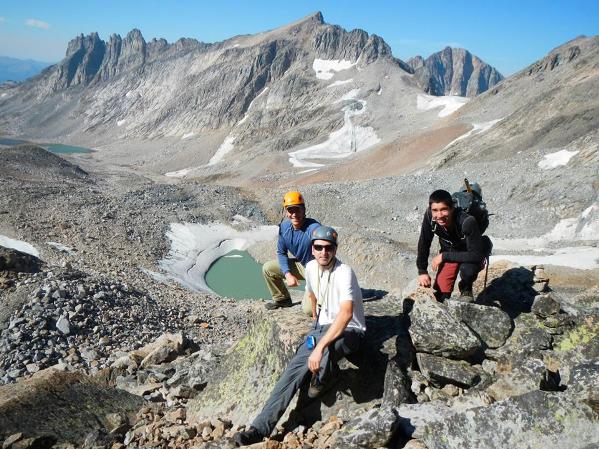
{"x": 325, "y": 68}
{"x": 553, "y": 160}
{"x": 580, "y": 257}
{"x": 194, "y": 247}
{"x": 245, "y": 116}
{"x": 307, "y": 171}
{"x": 351, "y": 95}
{"x": 380, "y": 91}
{"x": 60, "y": 247}
{"x": 477, "y": 128}
{"x": 179, "y": 173}
{"x": 120, "y": 122}
{"x": 19, "y": 245}
{"x": 188, "y": 135}
{"x": 344, "y": 142}
{"x": 225, "y": 148}
{"x": 449, "y": 104}
{"x": 4, "y": 95}
{"x": 340, "y": 82}
{"x": 585, "y": 227}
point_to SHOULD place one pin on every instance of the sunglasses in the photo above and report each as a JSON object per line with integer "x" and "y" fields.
{"x": 323, "y": 247}
{"x": 294, "y": 210}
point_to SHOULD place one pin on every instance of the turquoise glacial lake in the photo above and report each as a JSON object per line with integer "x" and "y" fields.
{"x": 52, "y": 147}
{"x": 237, "y": 275}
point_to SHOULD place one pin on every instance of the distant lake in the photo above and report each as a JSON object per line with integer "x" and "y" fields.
{"x": 52, "y": 147}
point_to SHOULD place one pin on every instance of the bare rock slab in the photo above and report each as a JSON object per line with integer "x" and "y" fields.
{"x": 435, "y": 330}
{"x": 537, "y": 419}
{"x": 62, "y": 405}
{"x": 492, "y": 325}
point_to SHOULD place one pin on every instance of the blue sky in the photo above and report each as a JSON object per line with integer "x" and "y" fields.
{"x": 507, "y": 34}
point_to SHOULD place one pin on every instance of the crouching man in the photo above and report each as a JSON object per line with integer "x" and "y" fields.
{"x": 339, "y": 327}
{"x": 463, "y": 248}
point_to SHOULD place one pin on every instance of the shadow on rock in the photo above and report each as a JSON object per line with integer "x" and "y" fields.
{"x": 513, "y": 292}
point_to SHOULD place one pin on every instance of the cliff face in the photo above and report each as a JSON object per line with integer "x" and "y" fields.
{"x": 454, "y": 71}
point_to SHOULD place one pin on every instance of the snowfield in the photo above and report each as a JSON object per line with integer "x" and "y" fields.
{"x": 584, "y": 228}
{"x": 325, "y": 68}
{"x": 225, "y": 148}
{"x": 559, "y": 158}
{"x": 449, "y": 104}
{"x": 19, "y": 245}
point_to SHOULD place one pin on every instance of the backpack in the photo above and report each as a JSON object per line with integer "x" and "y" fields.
{"x": 470, "y": 200}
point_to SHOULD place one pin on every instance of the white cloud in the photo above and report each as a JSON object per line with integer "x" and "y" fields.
{"x": 37, "y": 24}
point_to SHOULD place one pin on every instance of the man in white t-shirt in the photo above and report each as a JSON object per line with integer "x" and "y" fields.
{"x": 339, "y": 327}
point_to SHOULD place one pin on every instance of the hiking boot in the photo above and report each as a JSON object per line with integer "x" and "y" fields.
{"x": 466, "y": 296}
{"x": 318, "y": 388}
{"x": 247, "y": 437}
{"x": 273, "y": 305}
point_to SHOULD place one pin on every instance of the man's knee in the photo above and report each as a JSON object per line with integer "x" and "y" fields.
{"x": 271, "y": 269}
{"x": 469, "y": 271}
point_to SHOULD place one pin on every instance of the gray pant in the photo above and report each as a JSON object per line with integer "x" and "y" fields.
{"x": 297, "y": 372}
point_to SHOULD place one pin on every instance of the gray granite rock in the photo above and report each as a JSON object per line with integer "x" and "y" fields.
{"x": 436, "y": 331}
{"x": 492, "y": 325}
{"x": 441, "y": 371}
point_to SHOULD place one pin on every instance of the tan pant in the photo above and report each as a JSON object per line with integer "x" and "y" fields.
{"x": 275, "y": 281}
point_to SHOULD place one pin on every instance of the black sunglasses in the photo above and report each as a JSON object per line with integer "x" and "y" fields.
{"x": 325, "y": 247}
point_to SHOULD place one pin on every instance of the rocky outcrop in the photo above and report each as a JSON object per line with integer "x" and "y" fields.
{"x": 62, "y": 406}
{"x": 454, "y": 71}
{"x": 18, "y": 262}
{"x": 30, "y": 162}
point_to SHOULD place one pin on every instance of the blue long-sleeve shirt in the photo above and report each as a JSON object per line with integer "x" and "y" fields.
{"x": 295, "y": 241}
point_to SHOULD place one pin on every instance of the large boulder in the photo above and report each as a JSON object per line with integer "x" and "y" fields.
{"x": 441, "y": 371}
{"x": 491, "y": 324}
{"x": 62, "y": 405}
{"x": 436, "y": 331}
{"x": 17, "y": 261}
{"x": 374, "y": 428}
{"x": 540, "y": 419}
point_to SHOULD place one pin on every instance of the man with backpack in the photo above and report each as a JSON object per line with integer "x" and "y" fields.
{"x": 294, "y": 238}
{"x": 339, "y": 328}
{"x": 463, "y": 247}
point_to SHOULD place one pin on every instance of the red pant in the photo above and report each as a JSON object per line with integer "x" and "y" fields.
{"x": 446, "y": 276}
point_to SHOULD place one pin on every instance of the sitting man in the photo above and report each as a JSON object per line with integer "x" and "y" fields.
{"x": 462, "y": 247}
{"x": 294, "y": 237}
{"x": 339, "y": 328}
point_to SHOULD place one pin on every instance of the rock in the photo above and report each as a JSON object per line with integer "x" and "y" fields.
{"x": 63, "y": 325}
{"x": 43, "y": 405}
{"x": 38, "y": 442}
{"x": 545, "y": 305}
{"x": 412, "y": 418}
{"x": 443, "y": 371}
{"x": 492, "y": 325}
{"x": 375, "y": 428}
{"x": 517, "y": 376}
{"x": 164, "y": 349}
{"x": 18, "y": 262}
{"x": 436, "y": 331}
{"x": 584, "y": 379}
{"x": 12, "y": 439}
{"x": 397, "y": 386}
{"x": 534, "y": 419}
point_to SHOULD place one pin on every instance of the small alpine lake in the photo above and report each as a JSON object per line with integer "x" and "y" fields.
{"x": 237, "y": 275}
{"x": 57, "y": 148}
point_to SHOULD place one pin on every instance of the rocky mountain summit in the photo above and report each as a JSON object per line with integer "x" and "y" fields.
{"x": 454, "y": 71}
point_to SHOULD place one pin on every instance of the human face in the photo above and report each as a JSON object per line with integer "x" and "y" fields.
{"x": 442, "y": 214}
{"x": 326, "y": 252}
{"x": 296, "y": 215}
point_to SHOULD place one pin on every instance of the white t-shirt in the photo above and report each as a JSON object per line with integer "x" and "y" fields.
{"x": 333, "y": 286}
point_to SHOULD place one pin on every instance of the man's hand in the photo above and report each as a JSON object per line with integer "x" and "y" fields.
{"x": 436, "y": 262}
{"x": 314, "y": 359}
{"x": 291, "y": 280}
{"x": 424, "y": 280}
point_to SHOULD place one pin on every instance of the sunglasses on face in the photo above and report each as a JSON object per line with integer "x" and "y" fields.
{"x": 319, "y": 248}
{"x": 294, "y": 210}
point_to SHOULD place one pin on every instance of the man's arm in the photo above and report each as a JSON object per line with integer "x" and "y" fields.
{"x": 282, "y": 252}
{"x": 424, "y": 248}
{"x": 346, "y": 309}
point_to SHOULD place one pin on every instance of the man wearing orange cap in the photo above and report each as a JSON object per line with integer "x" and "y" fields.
{"x": 294, "y": 238}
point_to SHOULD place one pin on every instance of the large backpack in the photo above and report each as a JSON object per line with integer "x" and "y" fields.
{"x": 470, "y": 200}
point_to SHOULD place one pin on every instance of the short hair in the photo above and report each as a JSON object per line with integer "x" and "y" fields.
{"x": 441, "y": 196}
